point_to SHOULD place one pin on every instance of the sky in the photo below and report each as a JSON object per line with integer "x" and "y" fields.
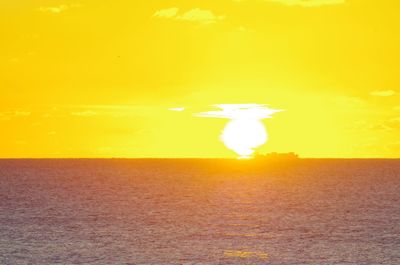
{"x": 125, "y": 78}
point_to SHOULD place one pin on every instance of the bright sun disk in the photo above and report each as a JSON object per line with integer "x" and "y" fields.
{"x": 244, "y": 135}
{"x": 245, "y": 132}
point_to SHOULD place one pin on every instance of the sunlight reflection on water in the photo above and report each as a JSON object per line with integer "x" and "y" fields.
{"x": 245, "y": 254}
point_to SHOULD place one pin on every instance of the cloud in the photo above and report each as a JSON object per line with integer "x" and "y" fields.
{"x": 383, "y": 126}
{"x": 196, "y": 15}
{"x": 177, "y": 109}
{"x": 108, "y": 110}
{"x": 200, "y": 16}
{"x": 54, "y": 9}
{"x": 167, "y": 13}
{"x": 305, "y": 3}
{"x": 87, "y": 113}
{"x": 8, "y": 115}
{"x": 237, "y": 111}
{"x": 386, "y": 125}
{"x": 244, "y": 132}
{"x": 22, "y": 113}
{"x": 106, "y": 107}
{"x": 383, "y": 93}
{"x": 57, "y": 9}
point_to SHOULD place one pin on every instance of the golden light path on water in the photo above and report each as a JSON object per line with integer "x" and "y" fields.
{"x": 245, "y": 132}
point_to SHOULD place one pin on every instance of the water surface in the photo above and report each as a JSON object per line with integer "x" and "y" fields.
{"x": 199, "y": 212}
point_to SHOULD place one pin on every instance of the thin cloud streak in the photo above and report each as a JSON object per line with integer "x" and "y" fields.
{"x": 236, "y": 111}
{"x": 383, "y": 93}
{"x": 195, "y": 15}
{"x": 57, "y": 9}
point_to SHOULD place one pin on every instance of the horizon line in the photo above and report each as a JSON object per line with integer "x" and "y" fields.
{"x": 188, "y": 158}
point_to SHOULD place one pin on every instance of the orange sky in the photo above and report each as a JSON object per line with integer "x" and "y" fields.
{"x": 90, "y": 78}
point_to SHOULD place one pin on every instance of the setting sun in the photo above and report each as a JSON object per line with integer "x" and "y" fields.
{"x": 245, "y": 132}
{"x": 243, "y": 136}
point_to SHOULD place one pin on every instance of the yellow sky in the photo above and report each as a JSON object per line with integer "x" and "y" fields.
{"x": 90, "y": 78}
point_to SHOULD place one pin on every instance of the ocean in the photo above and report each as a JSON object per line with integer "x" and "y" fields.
{"x": 199, "y": 211}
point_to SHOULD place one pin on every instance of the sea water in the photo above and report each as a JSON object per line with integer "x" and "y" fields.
{"x": 132, "y": 211}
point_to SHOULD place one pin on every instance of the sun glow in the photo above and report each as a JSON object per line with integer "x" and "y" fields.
{"x": 245, "y": 132}
{"x": 244, "y": 135}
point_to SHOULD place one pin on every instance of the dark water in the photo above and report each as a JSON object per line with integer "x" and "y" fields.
{"x": 199, "y": 212}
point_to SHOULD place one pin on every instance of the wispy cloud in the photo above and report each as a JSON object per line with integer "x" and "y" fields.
{"x": 305, "y": 3}
{"x": 200, "y": 16}
{"x": 8, "y": 115}
{"x": 196, "y": 15}
{"x": 106, "y": 107}
{"x": 167, "y": 13}
{"x": 87, "y": 113}
{"x": 380, "y": 126}
{"x": 177, "y": 109}
{"x": 57, "y": 9}
{"x": 386, "y": 125}
{"x": 238, "y": 111}
{"x": 107, "y": 110}
{"x": 22, "y": 113}
{"x": 383, "y": 93}
{"x": 54, "y": 9}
